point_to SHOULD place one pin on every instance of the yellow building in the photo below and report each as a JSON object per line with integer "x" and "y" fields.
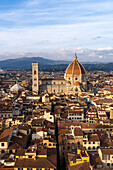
{"x": 78, "y": 157}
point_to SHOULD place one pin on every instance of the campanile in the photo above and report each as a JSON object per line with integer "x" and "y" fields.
{"x": 35, "y": 85}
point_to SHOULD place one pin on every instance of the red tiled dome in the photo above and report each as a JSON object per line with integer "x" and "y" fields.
{"x": 76, "y": 83}
{"x": 75, "y": 68}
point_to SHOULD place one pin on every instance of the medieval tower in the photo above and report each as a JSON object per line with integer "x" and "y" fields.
{"x": 35, "y": 86}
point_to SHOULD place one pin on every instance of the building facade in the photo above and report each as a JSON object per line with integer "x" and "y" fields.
{"x": 74, "y": 80}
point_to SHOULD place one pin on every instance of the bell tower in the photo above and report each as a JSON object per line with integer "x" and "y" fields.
{"x": 35, "y": 86}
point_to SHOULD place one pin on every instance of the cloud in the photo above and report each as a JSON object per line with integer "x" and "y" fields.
{"x": 49, "y": 37}
{"x": 32, "y": 3}
{"x": 102, "y": 49}
{"x": 41, "y": 12}
{"x": 41, "y": 26}
{"x": 97, "y": 37}
{"x": 87, "y": 55}
{"x": 100, "y": 56}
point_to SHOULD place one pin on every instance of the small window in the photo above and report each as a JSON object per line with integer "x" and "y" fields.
{"x": 49, "y": 144}
{"x": 35, "y": 79}
{"x": 30, "y": 156}
{"x": 68, "y": 148}
{"x": 93, "y": 142}
{"x": 46, "y": 82}
{"x": 54, "y": 83}
{"x": 2, "y": 151}
{"x": 73, "y": 147}
{"x": 75, "y": 78}
{"x": 35, "y": 84}
{"x": 34, "y": 71}
{"x": 61, "y": 82}
{"x": 108, "y": 164}
{"x": 54, "y": 91}
{"x": 19, "y": 168}
{"x": 63, "y": 147}
{"x": 2, "y": 144}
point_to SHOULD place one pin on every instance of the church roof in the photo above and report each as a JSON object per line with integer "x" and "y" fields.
{"x": 16, "y": 87}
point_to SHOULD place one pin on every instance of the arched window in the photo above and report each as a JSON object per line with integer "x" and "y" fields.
{"x": 78, "y": 143}
{"x": 34, "y": 71}
{"x": 68, "y": 147}
{"x": 93, "y": 147}
{"x": 76, "y": 89}
{"x": 10, "y": 152}
{"x": 2, "y": 151}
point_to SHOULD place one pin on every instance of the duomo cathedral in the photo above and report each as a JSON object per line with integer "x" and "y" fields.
{"x": 74, "y": 80}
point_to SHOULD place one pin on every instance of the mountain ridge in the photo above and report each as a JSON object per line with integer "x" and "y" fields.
{"x": 49, "y": 64}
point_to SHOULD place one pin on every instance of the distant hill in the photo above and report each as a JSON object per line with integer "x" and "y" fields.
{"x": 26, "y": 63}
{"x": 49, "y": 65}
{"x": 99, "y": 66}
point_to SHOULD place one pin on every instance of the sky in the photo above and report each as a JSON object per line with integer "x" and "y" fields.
{"x": 56, "y": 29}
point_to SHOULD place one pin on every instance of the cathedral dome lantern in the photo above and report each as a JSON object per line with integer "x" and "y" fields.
{"x": 75, "y": 71}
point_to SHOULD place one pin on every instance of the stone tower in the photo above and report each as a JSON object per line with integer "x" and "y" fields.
{"x": 35, "y": 85}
